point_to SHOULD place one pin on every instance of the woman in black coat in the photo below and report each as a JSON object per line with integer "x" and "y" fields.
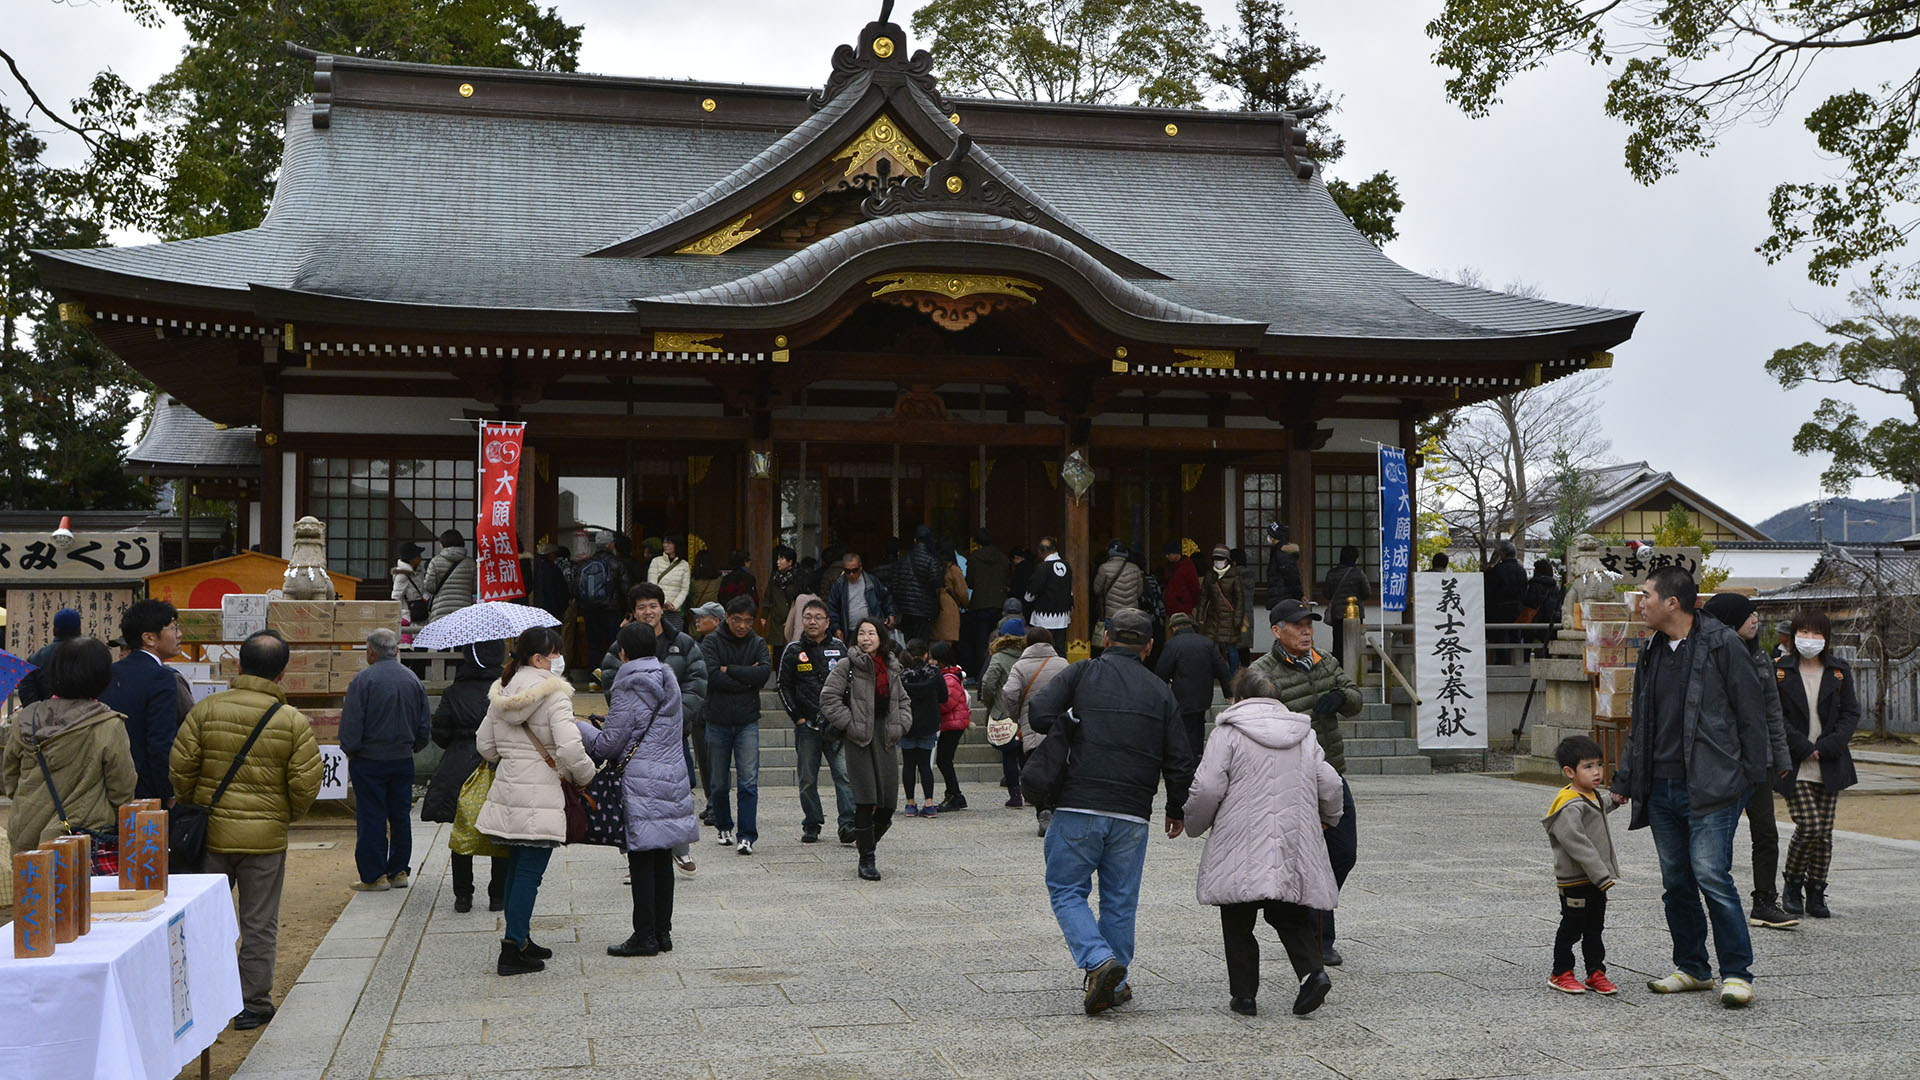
{"x": 1820, "y": 711}
{"x": 462, "y": 706}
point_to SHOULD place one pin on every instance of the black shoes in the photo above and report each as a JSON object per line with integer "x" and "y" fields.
{"x": 1101, "y": 982}
{"x": 247, "y": 1020}
{"x": 706, "y": 815}
{"x": 515, "y": 961}
{"x": 955, "y": 801}
{"x": 1244, "y": 1006}
{"x": 463, "y": 904}
{"x": 1313, "y": 991}
{"x": 496, "y": 903}
{"x": 1791, "y": 897}
{"x": 1817, "y": 900}
{"x": 869, "y": 871}
{"x": 1767, "y": 912}
{"x": 535, "y": 951}
{"x": 810, "y": 836}
{"x": 666, "y": 942}
{"x": 846, "y": 836}
{"x": 637, "y": 945}
{"x": 1330, "y": 956}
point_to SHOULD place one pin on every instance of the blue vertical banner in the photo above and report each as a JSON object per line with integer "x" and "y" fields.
{"x": 1396, "y": 529}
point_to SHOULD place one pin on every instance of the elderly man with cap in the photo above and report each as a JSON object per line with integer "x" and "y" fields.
{"x": 1737, "y": 612}
{"x": 1311, "y": 682}
{"x": 66, "y": 627}
{"x": 1126, "y": 733}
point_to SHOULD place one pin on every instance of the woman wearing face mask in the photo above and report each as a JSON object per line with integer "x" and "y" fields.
{"x": 1220, "y": 617}
{"x": 1820, "y": 711}
{"x": 864, "y": 700}
{"x": 529, "y": 733}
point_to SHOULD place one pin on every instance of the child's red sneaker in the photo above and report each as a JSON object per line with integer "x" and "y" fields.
{"x": 1600, "y": 984}
{"x": 1567, "y": 983}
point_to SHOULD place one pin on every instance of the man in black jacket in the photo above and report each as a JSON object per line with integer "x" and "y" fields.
{"x": 1126, "y": 736}
{"x": 1283, "y": 567}
{"x": 1193, "y": 666}
{"x": 738, "y": 665}
{"x": 1506, "y": 590}
{"x": 804, "y": 665}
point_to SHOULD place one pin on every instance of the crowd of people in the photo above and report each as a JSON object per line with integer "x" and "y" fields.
{"x": 879, "y": 674}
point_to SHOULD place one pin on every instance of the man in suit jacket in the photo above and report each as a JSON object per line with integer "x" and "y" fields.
{"x": 145, "y": 691}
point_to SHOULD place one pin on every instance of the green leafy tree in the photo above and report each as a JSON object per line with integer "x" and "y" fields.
{"x": 1682, "y": 529}
{"x": 223, "y": 107}
{"x": 1879, "y": 350}
{"x": 1097, "y": 51}
{"x": 65, "y": 401}
{"x": 1263, "y": 61}
{"x": 1687, "y": 71}
{"x": 1573, "y": 491}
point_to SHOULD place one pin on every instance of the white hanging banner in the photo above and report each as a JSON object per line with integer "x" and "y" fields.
{"x": 1450, "y": 656}
{"x": 333, "y": 773}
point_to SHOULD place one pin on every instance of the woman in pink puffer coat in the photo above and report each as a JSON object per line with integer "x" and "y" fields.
{"x": 1265, "y": 789}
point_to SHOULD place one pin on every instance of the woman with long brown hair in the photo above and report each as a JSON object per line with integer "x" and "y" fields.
{"x": 865, "y": 700}
{"x": 530, "y": 736}
{"x": 1820, "y": 711}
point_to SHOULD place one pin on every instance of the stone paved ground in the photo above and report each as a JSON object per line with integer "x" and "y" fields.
{"x": 787, "y": 966}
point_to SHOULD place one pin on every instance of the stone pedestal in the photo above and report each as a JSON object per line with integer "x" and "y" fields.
{"x": 1567, "y": 694}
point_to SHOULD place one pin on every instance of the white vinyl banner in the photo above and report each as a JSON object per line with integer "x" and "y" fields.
{"x": 1450, "y": 656}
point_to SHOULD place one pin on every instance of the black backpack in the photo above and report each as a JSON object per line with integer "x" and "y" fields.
{"x": 595, "y": 587}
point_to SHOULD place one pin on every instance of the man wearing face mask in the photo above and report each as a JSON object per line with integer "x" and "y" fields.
{"x": 1737, "y": 612}
{"x": 1697, "y": 747}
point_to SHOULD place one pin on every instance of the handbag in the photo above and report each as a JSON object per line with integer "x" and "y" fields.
{"x": 607, "y": 823}
{"x": 417, "y": 611}
{"x": 106, "y": 854}
{"x": 187, "y": 822}
{"x": 1001, "y": 732}
{"x": 1013, "y": 719}
{"x": 576, "y": 804}
{"x": 1045, "y": 776}
{"x": 466, "y": 839}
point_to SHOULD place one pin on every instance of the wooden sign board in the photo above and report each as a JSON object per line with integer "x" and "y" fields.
{"x": 30, "y": 613}
{"x": 1638, "y": 563}
{"x": 103, "y": 557}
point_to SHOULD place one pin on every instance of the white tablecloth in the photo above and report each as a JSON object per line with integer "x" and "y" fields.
{"x": 104, "y": 1007}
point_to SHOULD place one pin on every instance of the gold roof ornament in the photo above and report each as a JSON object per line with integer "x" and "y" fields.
{"x": 723, "y": 239}
{"x": 708, "y": 104}
{"x": 1172, "y": 130}
{"x": 466, "y": 89}
{"x": 956, "y": 286}
{"x": 74, "y": 311}
{"x": 883, "y": 138}
{"x": 1211, "y": 359}
{"x": 685, "y": 341}
{"x": 883, "y": 47}
{"x": 954, "y": 183}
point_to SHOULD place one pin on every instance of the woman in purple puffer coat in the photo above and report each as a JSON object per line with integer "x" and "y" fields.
{"x": 643, "y": 731}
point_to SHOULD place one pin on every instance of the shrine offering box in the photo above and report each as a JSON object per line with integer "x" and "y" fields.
{"x": 33, "y": 915}
{"x": 125, "y": 900}
{"x": 70, "y": 887}
{"x": 149, "y": 854}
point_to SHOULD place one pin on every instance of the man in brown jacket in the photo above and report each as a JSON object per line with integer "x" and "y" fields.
{"x": 275, "y": 780}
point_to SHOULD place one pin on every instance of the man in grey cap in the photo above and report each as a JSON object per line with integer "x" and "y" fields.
{"x": 1127, "y": 737}
{"x": 1311, "y": 682}
{"x": 706, "y": 619}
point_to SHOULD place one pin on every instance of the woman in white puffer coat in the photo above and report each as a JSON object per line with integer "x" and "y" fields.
{"x": 1266, "y": 790}
{"x": 530, "y": 736}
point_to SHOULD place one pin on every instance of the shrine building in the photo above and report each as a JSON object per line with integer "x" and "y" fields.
{"x": 758, "y": 314}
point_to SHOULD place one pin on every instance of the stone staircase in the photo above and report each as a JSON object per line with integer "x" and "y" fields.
{"x": 1377, "y": 742}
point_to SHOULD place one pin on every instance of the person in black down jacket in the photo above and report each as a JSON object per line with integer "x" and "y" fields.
{"x": 462, "y": 706}
{"x": 1820, "y": 710}
{"x": 738, "y": 666}
{"x": 926, "y": 693}
{"x": 1506, "y": 591}
{"x": 1283, "y": 567}
{"x": 1127, "y": 738}
{"x": 1191, "y": 663}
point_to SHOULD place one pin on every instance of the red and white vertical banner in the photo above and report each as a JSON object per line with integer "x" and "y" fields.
{"x": 497, "y": 546}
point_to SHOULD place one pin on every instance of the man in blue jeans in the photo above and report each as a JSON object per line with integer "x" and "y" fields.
{"x": 383, "y": 723}
{"x": 1697, "y": 747}
{"x": 738, "y": 666}
{"x": 1127, "y": 737}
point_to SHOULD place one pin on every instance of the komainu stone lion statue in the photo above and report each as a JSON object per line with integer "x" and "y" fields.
{"x": 1586, "y": 578}
{"x": 307, "y": 566}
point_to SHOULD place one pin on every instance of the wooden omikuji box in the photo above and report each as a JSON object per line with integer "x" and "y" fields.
{"x": 33, "y": 916}
{"x": 127, "y": 812}
{"x": 149, "y": 854}
{"x": 70, "y": 888}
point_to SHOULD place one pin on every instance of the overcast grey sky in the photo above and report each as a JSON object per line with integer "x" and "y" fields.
{"x": 1536, "y": 193}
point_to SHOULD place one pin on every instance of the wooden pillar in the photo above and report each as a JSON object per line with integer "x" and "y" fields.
{"x": 761, "y": 506}
{"x": 272, "y": 422}
{"x": 1076, "y": 549}
{"x": 1299, "y": 499}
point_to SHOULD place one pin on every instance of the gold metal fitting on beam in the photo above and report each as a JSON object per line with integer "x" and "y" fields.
{"x": 708, "y": 104}
{"x": 466, "y": 89}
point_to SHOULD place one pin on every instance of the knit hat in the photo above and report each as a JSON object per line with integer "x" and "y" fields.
{"x": 1171, "y": 547}
{"x": 66, "y": 623}
{"x": 1014, "y": 627}
{"x": 1730, "y": 608}
{"x": 1179, "y": 620}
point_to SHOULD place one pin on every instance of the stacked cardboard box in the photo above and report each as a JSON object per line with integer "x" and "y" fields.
{"x": 325, "y": 723}
{"x": 353, "y": 620}
{"x": 301, "y": 620}
{"x": 241, "y": 615}
{"x": 200, "y": 624}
